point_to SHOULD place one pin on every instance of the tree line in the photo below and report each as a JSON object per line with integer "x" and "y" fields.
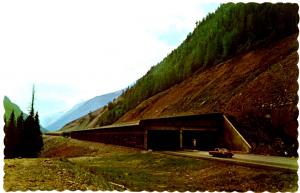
{"x": 231, "y": 30}
{"x": 23, "y": 137}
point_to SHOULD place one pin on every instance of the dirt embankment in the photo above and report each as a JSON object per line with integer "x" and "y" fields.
{"x": 66, "y": 147}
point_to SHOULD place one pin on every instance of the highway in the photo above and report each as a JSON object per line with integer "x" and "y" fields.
{"x": 252, "y": 160}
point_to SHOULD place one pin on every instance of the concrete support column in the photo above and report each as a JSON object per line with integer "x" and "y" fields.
{"x": 180, "y": 138}
{"x": 146, "y": 139}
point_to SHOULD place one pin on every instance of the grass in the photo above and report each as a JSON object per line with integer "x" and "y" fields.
{"x": 142, "y": 171}
{"x": 108, "y": 167}
{"x": 49, "y": 174}
{"x": 153, "y": 171}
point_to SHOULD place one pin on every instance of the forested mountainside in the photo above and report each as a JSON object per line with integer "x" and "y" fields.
{"x": 231, "y": 30}
{"x": 240, "y": 60}
{"x": 257, "y": 90}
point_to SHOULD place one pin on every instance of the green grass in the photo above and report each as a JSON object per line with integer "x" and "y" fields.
{"x": 142, "y": 171}
{"x": 159, "y": 172}
{"x": 50, "y": 174}
{"x": 95, "y": 166}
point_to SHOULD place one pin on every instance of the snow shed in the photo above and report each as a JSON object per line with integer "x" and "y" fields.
{"x": 202, "y": 132}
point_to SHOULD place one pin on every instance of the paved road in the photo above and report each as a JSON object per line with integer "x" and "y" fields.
{"x": 254, "y": 160}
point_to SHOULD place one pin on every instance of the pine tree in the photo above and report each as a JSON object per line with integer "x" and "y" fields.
{"x": 9, "y": 128}
{"x": 18, "y": 135}
{"x": 32, "y": 138}
{"x": 28, "y": 138}
{"x": 23, "y": 138}
{"x": 38, "y": 134}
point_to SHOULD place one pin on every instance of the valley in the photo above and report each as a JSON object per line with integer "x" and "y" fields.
{"x": 231, "y": 85}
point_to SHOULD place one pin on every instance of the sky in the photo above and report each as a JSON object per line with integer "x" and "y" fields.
{"x": 75, "y": 50}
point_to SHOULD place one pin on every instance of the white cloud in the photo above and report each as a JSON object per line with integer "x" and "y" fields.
{"x": 86, "y": 47}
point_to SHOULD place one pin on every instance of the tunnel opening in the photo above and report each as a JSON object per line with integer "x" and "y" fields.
{"x": 204, "y": 140}
{"x": 163, "y": 140}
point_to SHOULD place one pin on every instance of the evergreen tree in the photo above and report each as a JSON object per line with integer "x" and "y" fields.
{"x": 28, "y": 139}
{"x": 18, "y": 135}
{"x": 9, "y": 144}
{"x": 32, "y": 138}
{"x": 38, "y": 134}
{"x": 20, "y": 121}
{"x": 23, "y": 138}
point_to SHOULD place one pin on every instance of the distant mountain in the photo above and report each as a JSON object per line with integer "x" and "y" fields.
{"x": 9, "y": 107}
{"x": 48, "y": 119}
{"x": 82, "y": 109}
{"x": 51, "y": 118}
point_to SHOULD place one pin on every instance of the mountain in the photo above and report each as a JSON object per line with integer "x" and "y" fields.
{"x": 90, "y": 120}
{"x": 10, "y": 106}
{"x": 257, "y": 90}
{"x": 82, "y": 109}
{"x": 232, "y": 30}
{"x": 241, "y": 61}
{"x": 53, "y": 117}
{"x": 48, "y": 119}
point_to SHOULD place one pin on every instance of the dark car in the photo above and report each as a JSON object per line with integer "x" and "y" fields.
{"x": 221, "y": 152}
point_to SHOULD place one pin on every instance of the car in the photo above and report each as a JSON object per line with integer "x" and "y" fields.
{"x": 221, "y": 152}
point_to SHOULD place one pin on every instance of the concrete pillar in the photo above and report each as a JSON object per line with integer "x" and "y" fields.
{"x": 180, "y": 138}
{"x": 146, "y": 139}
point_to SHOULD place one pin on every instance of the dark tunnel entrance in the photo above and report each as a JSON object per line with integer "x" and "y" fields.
{"x": 204, "y": 140}
{"x": 163, "y": 139}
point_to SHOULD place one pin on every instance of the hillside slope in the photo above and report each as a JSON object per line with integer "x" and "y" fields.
{"x": 88, "y": 121}
{"x": 257, "y": 89}
{"x": 83, "y": 109}
{"x": 240, "y": 60}
{"x": 266, "y": 75}
{"x": 231, "y": 30}
{"x": 9, "y": 107}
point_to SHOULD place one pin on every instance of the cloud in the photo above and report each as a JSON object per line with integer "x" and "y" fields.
{"x": 74, "y": 50}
